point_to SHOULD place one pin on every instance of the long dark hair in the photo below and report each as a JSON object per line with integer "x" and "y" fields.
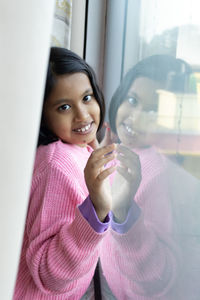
{"x": 173, "y": 73}
{"x": 63, "y": 61}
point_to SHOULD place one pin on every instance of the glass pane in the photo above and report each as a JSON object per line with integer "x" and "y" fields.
{"x": 155, "y": 113}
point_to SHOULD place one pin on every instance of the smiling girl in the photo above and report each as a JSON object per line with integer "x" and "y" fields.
{"x": 68, "y": 213}
{"x": 70, "y": 228}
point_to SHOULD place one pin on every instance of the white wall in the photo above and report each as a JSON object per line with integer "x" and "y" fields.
{"x": 25, "y": 28}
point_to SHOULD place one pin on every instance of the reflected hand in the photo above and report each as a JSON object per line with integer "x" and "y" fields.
{"x": 126, "y": 181}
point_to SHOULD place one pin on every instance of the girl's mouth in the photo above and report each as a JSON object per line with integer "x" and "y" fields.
{"x": 84, "y": 129}
{"x": 129, "y": 130}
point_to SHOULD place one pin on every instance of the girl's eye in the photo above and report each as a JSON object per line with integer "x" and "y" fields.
{"x": 133, "y": 101}
{"x": 87, "y": 98}
{"x": 64, "y": 107}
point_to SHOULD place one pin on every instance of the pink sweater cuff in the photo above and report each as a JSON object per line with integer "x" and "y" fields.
{"x": 89, "y": 213}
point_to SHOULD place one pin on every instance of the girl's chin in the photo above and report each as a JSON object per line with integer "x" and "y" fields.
{"x": 87, "y": 140}
{"x": 82, "y": 142}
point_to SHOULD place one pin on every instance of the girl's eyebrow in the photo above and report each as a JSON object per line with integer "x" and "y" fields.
{"x": 88, "y": 91}
{"x": 61, "y": 101}
{"x": 132, "y": 94}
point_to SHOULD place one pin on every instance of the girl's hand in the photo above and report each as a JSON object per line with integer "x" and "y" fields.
{"x": 109, "y": 136}
{"x": 94, "y": 144}
{"x": 96, "y": 177}
{"x": 126, "y": 181}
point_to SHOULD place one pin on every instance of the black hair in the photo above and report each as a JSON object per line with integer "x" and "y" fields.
{"x": 173, "y": 73}
{"x": 63, "y": 61}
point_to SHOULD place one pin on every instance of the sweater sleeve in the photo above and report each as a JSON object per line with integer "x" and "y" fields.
{"x": 89, "y": 213}
{"x": 63, "y": 248}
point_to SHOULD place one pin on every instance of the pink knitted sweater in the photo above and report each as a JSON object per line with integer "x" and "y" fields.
{"x": 60, "y": 249}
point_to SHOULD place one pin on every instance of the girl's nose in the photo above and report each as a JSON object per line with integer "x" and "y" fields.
{"x": 81, "y": 114}
{"x": 134, "y": 116}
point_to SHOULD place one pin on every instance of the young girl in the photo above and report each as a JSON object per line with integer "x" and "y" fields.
{"x": 65, "y": 226}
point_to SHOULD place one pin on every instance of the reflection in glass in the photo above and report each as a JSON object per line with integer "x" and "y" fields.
{"x": 155, "y": 113}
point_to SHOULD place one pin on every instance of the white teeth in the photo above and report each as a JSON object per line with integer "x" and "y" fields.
{"x": 130, "y": 130}
{"x": 83, "y": 129}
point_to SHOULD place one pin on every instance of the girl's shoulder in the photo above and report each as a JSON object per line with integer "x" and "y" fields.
{"x": 59, "y": 155}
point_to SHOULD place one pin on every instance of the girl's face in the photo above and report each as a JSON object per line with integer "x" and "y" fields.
{"x": 71, "y": 112}
{"x": 136, "y": 116}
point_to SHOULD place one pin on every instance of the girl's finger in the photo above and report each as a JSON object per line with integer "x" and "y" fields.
{"x": 129, "y": 175}
{"x": 94, "y": 144}
{"x": 98, "y": 153}
{"x": 96, "y": 164}
{"x": 132, "y": 163}
{"x": 104, "y": 174}
{"x": 124, "y": 173}
{"x": 105, "y": 124}
{"x": 126, "y": 151}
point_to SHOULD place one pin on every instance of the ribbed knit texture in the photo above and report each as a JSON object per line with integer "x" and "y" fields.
{"x": 60, "y": 248}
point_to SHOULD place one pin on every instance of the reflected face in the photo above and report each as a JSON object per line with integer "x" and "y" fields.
{"x": 71, "y": 112}
{"x": 136, "y": 116}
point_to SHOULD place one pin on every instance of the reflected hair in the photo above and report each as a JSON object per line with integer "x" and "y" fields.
{"x": 171, "y": 72}
{"x": 63, "y": 61}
